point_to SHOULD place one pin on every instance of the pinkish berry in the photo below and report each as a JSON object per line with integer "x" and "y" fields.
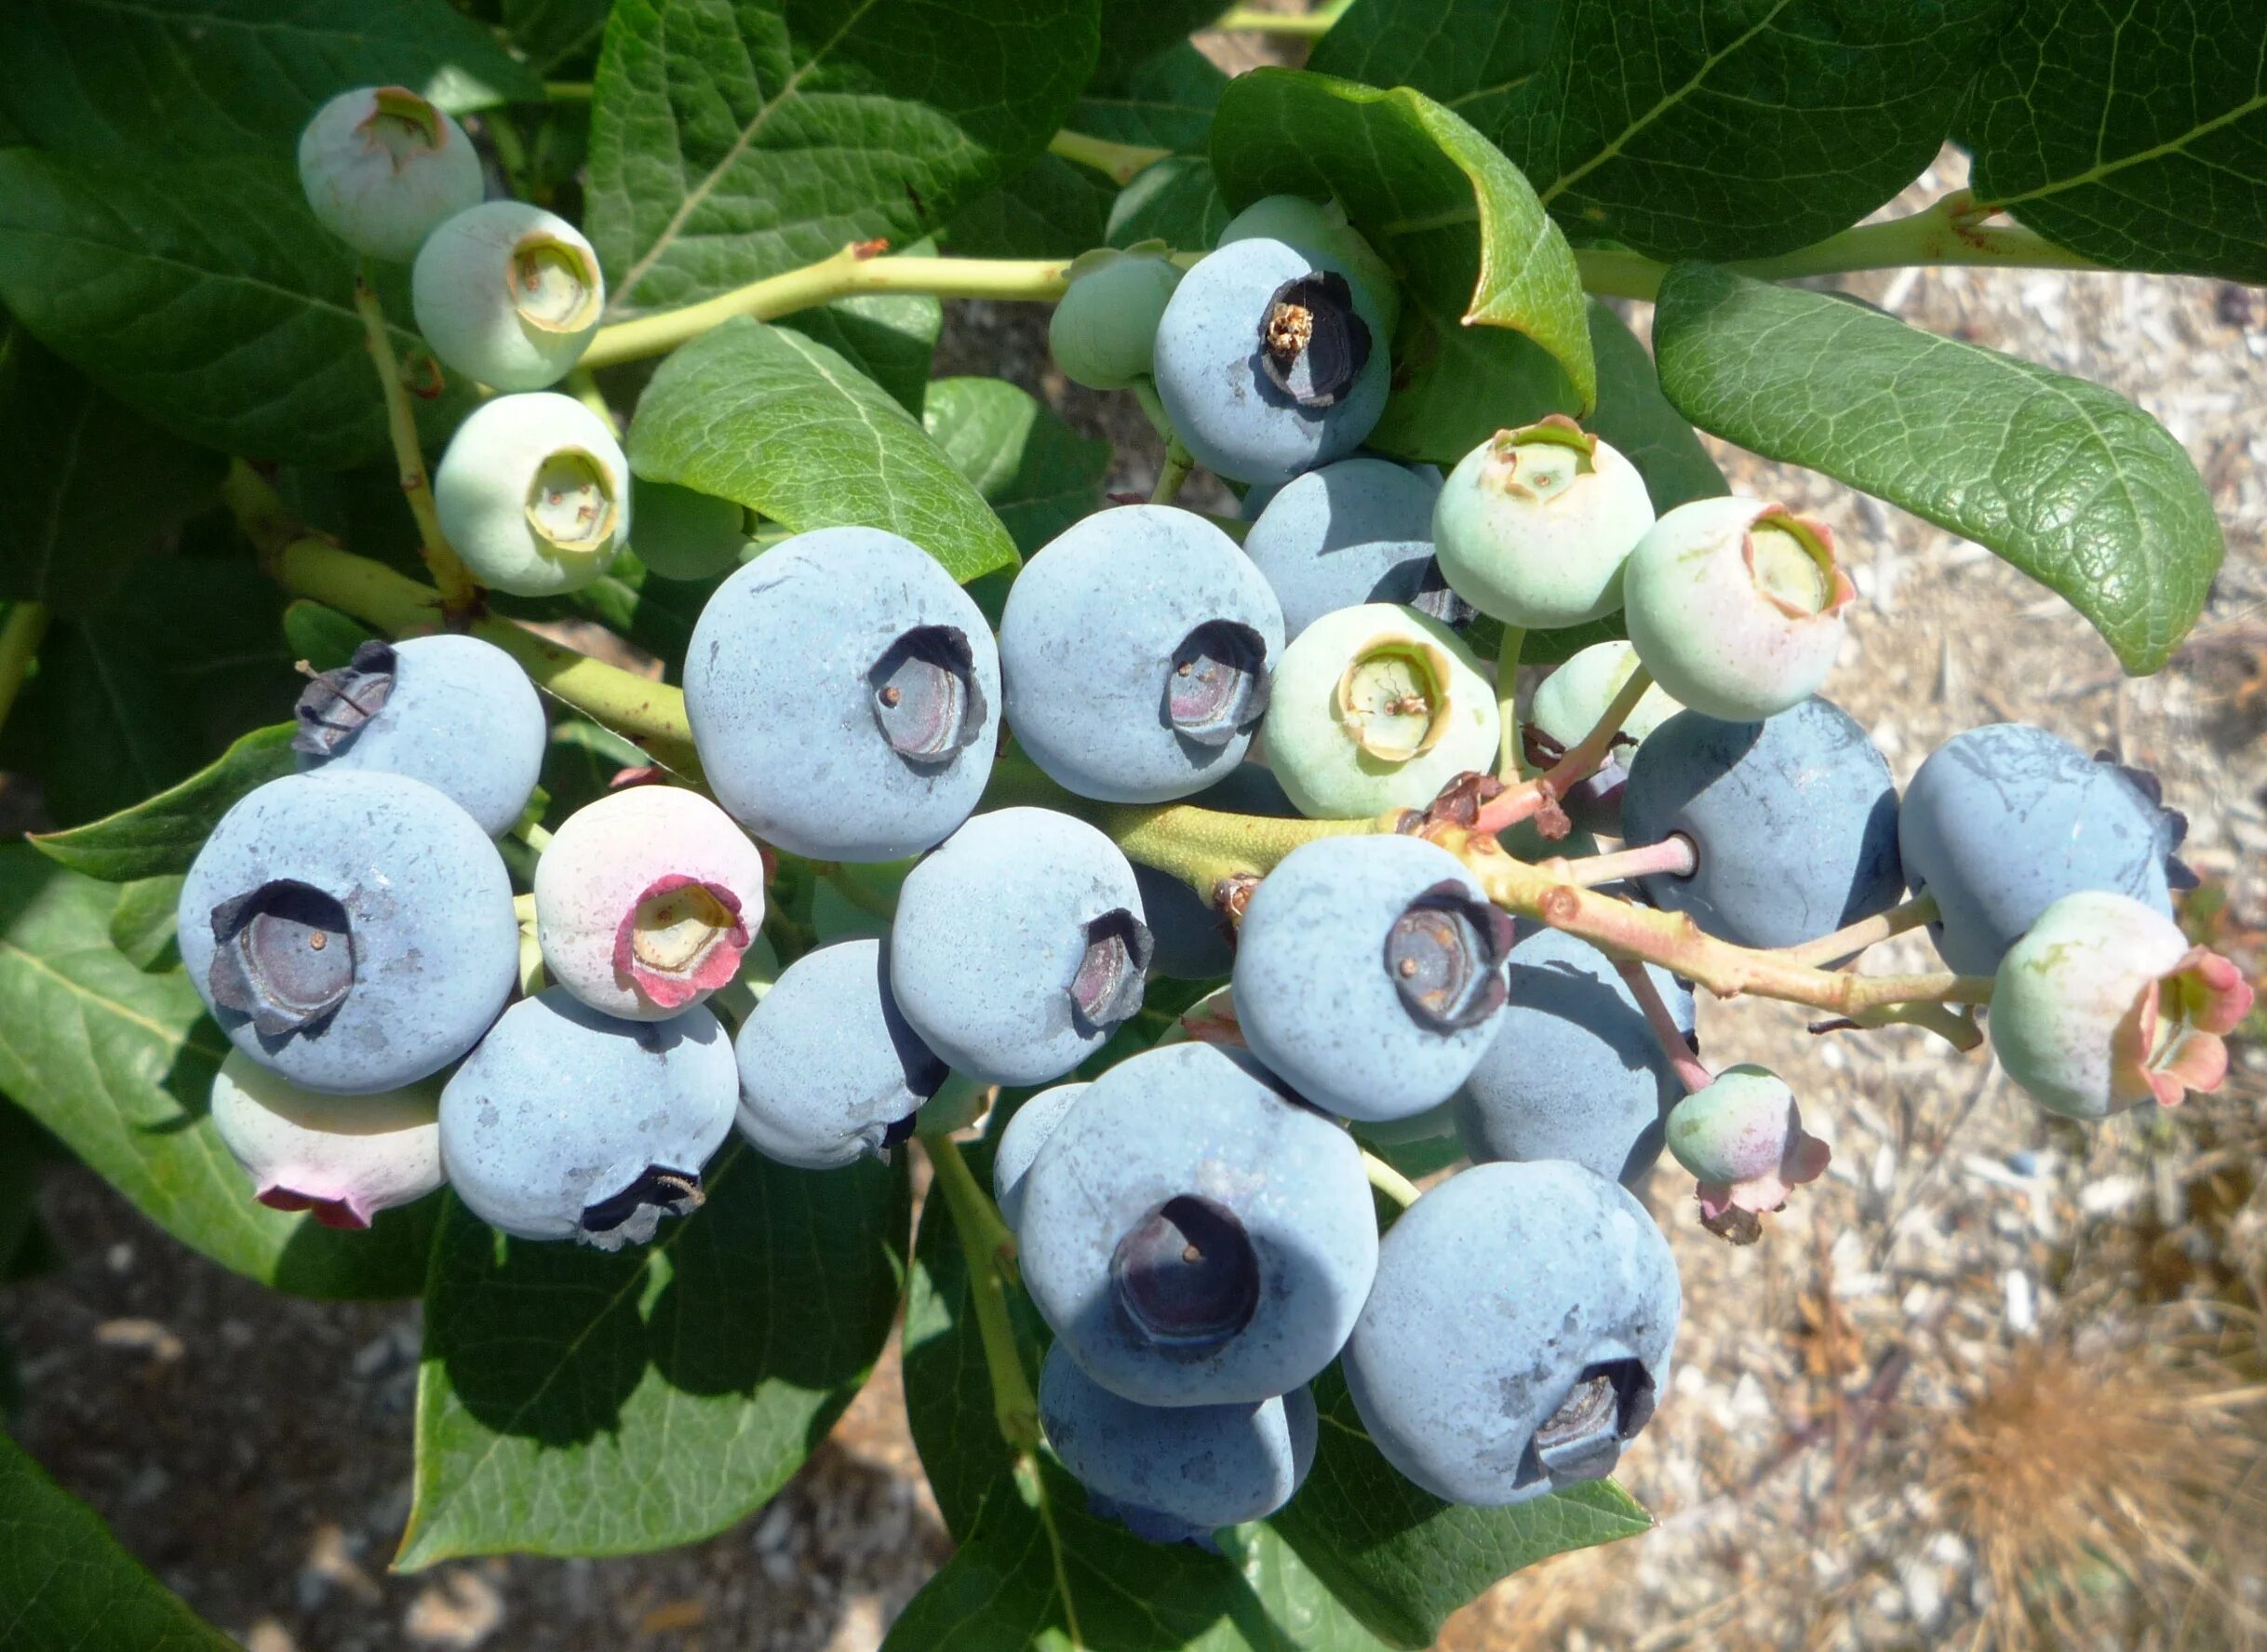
{"x": 1742, "y": 1136}
{"x": 341, "y": 1157}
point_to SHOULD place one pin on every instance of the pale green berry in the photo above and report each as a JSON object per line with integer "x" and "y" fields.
{"x": 345, "y": 1158}
{"x": 1534, "y": 525}
{"x": 1736, "y": 606}
{"x": 1104, "y": 331}
{"x": 1320, "y": 230}
{"x": 1377, "y": 707}
{"x": 1742, "y": 1138}
{"x": 508, "y": 294}
{"x": 685, "y": 534}
{"x": 1571, "y": 700}
{"x": 534, "y": 495}
{"x": 382, "y": 168}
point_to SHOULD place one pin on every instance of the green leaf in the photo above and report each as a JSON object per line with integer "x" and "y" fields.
{"x": 1133, "y": 33}
{"x": 1176, "y": 201}
{"x": 2133, "y": 131}
{"x": 1401, "y": 1559}
{"x": 1037, "y": 472}
{"x": 1739, "y": 128}
{"x": 1636, "y": 418}
{"x": 1469, "y": 56}
{"x": 203, "y": 295}
{"x": 730, "y": 141}
{"x": 161, "y": 835}
{"x": 892, "y": 338}
{"x": 784, "y": 425}
{"x": 141, "y": 925}
{"x": 178, "y": 77}
{"x": 2069, "y": 481}
{"x": 90, "y": 485}
{"x": 1455, "y": 220}
{"x": 119, "y": 1063}
{"x": 555, "y": 32}
{"x": 1166, "y": 102}
{"x": 323, "y": 637}
{"x": 1050, "y": 210}
{"x": 67, "y": 1583}
{"x": 575, "y": 1402}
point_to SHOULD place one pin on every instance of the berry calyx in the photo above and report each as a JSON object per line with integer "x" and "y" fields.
{"x": 1742, "y": 1135}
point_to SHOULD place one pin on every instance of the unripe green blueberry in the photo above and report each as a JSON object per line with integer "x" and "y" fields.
{"x": 382, "y": 168}
{"x": 685, "y": 534}
{"x": 1736, "y": 606}
{"x": 508, "y": 294}
{"x": 1570, "y": 701}
{"x": 343, "y": 1158}
{"x": 1104, "y": 331}
{"x": 1320, "y": 230}
{"x": 534, "y": 495}
{"x": 2104, "y": 1004}
{"x": 1377, "y": 707}
{"x": 1534, "y": 525}
{"x": 1742, "y": 1136}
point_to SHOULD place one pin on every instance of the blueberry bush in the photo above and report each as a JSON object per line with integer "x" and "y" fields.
{"x": 1175, "y": 886}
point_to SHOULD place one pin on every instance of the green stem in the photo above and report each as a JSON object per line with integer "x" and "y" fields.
{"x": 1173, "y": 473}
{"x": 567, "y": 91}
{"x": 532, "y": 835}
{"x": 1507, "y": 701}
{"x": 1307, "y": 25}
{"x": 20, "y": 639}
{"x": 459, "y": 593}
{"x": 1390, "y": 1181}
{"x": 1123, "y": 162}
{"x": 985, "y": 1245}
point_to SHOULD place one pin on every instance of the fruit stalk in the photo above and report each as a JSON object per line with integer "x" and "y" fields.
{"x": 986, "y": 1246}
{"x": 1530, "y": 798}
{"x": 460, "y": 593}
{"x": 1123, "y": 162}
{"x": 1672, "y": 856}
{"x": 1691, "y": 1072}
{"x": 1852, "y": 939}
{"x": 1506, "y": 698}
{"x": 1390, "y": 1181}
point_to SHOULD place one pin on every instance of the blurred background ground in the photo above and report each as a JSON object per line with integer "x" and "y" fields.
{"x": 1996, "y": 1381}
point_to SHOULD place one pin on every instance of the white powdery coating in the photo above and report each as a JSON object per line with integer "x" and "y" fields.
{"x": 367, "y": 1153}
{"x": 1321, "y": 765}
{"x": 1020, "y": 1144}
{"x": 480, "y": 489}
{"x": 357, "y": 192}
{"x": 2062, "y": 990}
{"x": 599, "y": 864}
{"x": 1703, "y": 629}
{"x": 1571, "y": 700}
{"x": 1542, "y": 563}
{"x": 462, "y": 290}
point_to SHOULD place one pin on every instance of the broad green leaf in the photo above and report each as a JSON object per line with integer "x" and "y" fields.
{"x": 1037, "y": 472}
{"x": 2070, "y": 482}
{"x": 1131, "y": 34}
{"x": 1635, "y": 417}
{"x": 1739, "y": 128}
{"x": 766, "y": 416}
{"x": 323, "y": 637}
{"x": 2133, "y": 131}
{"x": 89, "y": 483}
{"x": 1401, "y": 1559}
{"x": 555, "y": 32}
{"x": 1455, "y": 220}
{"x": 574, "y": 1403}
{"x": 892, "y": 338}
{"x": 203, "y": 295}
{"x": 1050, "y": 210}
{"x": 65, "y": 1582}
{"x": 1175, "y": 201}
{"x": 118, "y": 1064}
{"x": 734, "y": 139}
{"x": 161, "y": 835}
{"x": 1469, "y": 56}
{"x": 1166, "y": 102}
{"x": 142, "y": 924}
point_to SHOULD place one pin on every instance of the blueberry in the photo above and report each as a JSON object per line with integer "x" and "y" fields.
{"x": 830, "y": 1072}
{"x": 383, "y": 167}
{"x": 1566, "y": 707}
{"x": 1269, "y": 361}
{"x": 1207, "y": 1465}
{"x": 1534, "y": 525}
{"x": 1742, "y": 1136}
{"x": 1358, "y": 530}
{"x": 454, "y": 712}
{"x": 1194, "y": 1236}
{"x": 1793, "y": 822}
{"x": 1370, "y": 972}
{"x": 1572, "y": 1071}
{"x": 1320, "y": 230}
{"x": 567, "y": 1123}
{"x": 343, "y": 1158}
{"x": 1136, "y": 648}
{"x": 1104, "y": 331}
{"x": 1259, "y": 495}
{"x": 1020, "y": 1144}
{"x": 508, "y": 294}
{"x": 683, "y": 534}
{"x": 534, "y": 495}
{"x": 1191, "y": 938}
{"x": 353, "y": 930}
{"x": 1518, "y": 1334}
{"x": 2002, "y": 821}
{"x": 1019, "y": 945}
{"x": 1378, "y": 708}
{"x": 844, "y": 695}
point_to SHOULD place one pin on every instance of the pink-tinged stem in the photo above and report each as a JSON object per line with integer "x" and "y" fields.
{"x": 1535, "y": 797}
{"x": 1849, "y": 941}
{"x": 1673, "y": 855}
{"x": 1690, "y": 1070}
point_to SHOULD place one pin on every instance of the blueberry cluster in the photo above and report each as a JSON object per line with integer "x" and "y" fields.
{"x": 1195, "y": 1220}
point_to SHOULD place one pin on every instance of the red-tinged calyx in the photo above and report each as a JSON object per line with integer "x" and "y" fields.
{"x": 680, "y": 940}
{"x": 2174, "y": 1040}
{"x": 347, "y": 1215}
{"x": 1541, "y": 460}
{"x": 1792, "y": 560}
{"x": 402, "y": 124}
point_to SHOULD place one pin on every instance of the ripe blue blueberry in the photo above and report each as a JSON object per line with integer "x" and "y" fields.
{"x": 1194, "y": 1236}
{"x": 1320, "y": 230}
{"x": 1191, "y": 938}
{"x": 353, "y": 930}
{"x": 567, "y": 1123}
{"x": 1572, "y": 1071}
{"x": 1793, "y": 822}
{"x": 1358, "y": 530}
{"x": 1518, "y": 1334}
{"x": 1019, "y": 945}
{"x": 1020, "y": 1144}
{"x": 1204, "y": 1465}
{"x": 1136, "y": 648}
{"x": 1104, "y": 331}
{"x": 454, "y": 712}
{"x": 844, "y": 695}
{"x": 1370, "y": 972}
{"x": 383, "y": 167}
{"x": 2002, "y": 821}
{"x": 1260, "y": 495}
{"x": 508, "y": 294}
{"x": 534, "y": 495}
{"x": 342, "y": 1158}
{"x": 830, "y": 1072}
{"x": 1271, "y": 361}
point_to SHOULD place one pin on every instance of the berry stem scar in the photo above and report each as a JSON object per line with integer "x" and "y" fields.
{"x": 460, "y": 595}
